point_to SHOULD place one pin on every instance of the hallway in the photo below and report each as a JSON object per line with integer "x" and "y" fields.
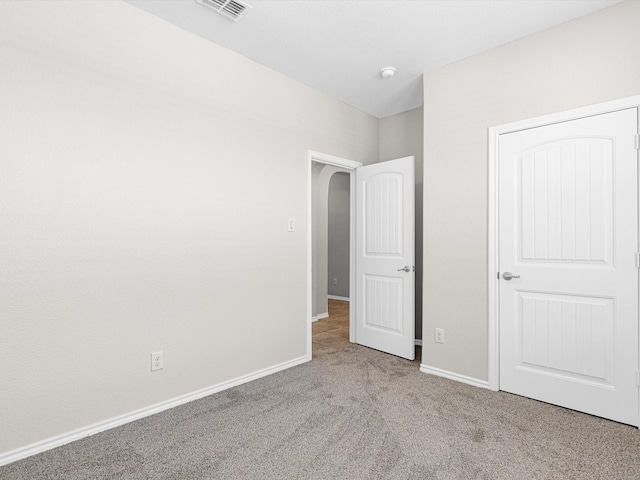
{"x": 332, "y": 333}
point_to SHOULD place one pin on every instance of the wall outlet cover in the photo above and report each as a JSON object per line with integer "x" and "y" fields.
{"x": 157, "y": 361}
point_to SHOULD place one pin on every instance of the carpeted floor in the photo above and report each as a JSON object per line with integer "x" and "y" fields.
{"x": 352, "y": 414}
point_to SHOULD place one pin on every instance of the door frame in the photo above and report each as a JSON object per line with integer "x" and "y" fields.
{"x": 493, "y": 263}
{"x": 350, "y": 165}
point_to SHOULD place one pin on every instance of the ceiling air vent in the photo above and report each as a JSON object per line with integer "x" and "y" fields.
{"x": 232, "y": 9}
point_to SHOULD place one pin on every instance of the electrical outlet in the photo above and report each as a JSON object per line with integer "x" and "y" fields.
{"x": 157, "y": 361}
{"x": 439, "y": 335}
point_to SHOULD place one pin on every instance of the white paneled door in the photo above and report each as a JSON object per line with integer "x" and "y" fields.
{"x": 568, "y": 223}
{"x": 385, "y": 272}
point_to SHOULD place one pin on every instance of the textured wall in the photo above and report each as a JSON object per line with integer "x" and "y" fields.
{"x": 589, "y": 60}
{"x": 147, "y": 179}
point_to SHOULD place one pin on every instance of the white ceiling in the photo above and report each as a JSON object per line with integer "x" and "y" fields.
{"x": 338, "y": 47}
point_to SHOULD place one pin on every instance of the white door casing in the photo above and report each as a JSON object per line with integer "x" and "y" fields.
{"x": 568, "y": 227}
{"x": 385, "y": 270}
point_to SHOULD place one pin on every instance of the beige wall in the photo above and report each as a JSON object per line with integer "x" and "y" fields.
{"x": 401, "y": 135}
{"x": 590, "y": 60}
{"x": 147, "y": 179}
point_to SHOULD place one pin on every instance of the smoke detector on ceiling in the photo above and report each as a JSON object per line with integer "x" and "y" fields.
{"x": 387, "y": 72}
{"x": 233, "y": 9}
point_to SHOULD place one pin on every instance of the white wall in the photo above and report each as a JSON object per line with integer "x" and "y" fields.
{"x": 147, "y": 179}
{"x": 401, "y": 135}
{"x": 590, "y": 60}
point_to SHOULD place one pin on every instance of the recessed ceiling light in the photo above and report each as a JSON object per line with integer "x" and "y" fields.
{"x": 387, "y": 72}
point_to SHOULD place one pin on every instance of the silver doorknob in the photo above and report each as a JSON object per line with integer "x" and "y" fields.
{"x": 406, "y": 268}
{"x": 509, "y": 276}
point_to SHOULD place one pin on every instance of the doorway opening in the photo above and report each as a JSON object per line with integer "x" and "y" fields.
{"x": 381, "y": 253}
{"x": 330, "y": 228}
{"x": 338, "y": 331}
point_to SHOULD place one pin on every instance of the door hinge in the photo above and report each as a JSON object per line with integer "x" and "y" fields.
{"x": 637, "y": 259}
{"x": 637, "y": 379}
{"x": 637, "y": 141}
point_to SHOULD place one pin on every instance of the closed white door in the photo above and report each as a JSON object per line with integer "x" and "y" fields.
{"x": 568, "y": 221}
{"x": 385, "y": 273}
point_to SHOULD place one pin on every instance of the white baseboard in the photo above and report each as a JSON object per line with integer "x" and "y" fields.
{"x": 454, "y": 376}
{"x": 336, "y": 297}
{"x": 418, "y": 342}
{"x": 320, "y": 316}
{"x": 59, "y": 440}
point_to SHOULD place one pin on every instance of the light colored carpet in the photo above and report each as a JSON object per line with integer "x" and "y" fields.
{"x": 352, "y": 414}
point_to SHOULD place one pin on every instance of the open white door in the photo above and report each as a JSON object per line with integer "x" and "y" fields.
{"x": 385, "y": 243}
